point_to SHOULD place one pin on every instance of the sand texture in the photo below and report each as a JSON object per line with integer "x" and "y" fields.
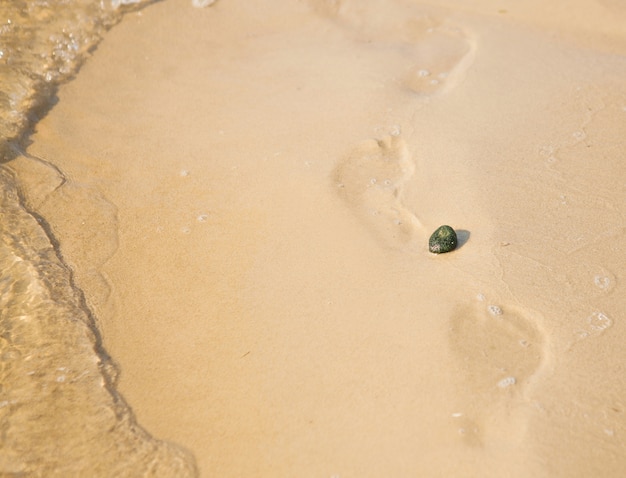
{"x": 245, "y": 193}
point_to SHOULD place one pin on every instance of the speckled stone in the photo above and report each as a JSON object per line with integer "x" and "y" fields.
{"x": 442, "y": 240}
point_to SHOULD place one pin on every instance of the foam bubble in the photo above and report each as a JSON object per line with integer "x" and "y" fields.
{"x": 494, "y": 310}
{"x": 602, "y": 282}
{"x": 395, "y": 130}
{"x": 599, "y": 321}
{"x": 507, "y": 382}
{"x": 202, "y": 3}
{"x": 118, "y": 3}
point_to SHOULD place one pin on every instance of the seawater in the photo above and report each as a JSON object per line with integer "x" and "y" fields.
{"x": 60, "y": 413}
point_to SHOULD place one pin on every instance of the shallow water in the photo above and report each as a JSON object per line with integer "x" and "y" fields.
{"x": 275, "y": 306}
{"x": 60, "y": 414}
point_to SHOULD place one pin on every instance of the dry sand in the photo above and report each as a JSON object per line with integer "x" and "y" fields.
{"x": 245, "y": 194}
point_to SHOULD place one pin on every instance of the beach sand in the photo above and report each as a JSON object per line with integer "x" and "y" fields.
{"x": 245, "y": 194}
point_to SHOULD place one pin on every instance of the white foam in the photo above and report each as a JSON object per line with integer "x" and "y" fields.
{"x": 202, "y": 3}
{"x": 602, "y": 282}
{"x": 494, "y": 310}
{"x": 599, "y": 321}
{"x": 118, "y": 3}
{"x": 507, "y": 382}
{"x": 395, "y": 130}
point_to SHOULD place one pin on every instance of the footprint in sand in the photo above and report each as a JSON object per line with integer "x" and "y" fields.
{"x": 435, "y": 54}
{"x": 501, "y": 352}
{"x": 440, "y": 56}
{"x": 371, "y": 179}
{"x": 499, "y": 347}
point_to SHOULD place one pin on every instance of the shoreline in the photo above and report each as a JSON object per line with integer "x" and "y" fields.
{"x": 253, "y": 240}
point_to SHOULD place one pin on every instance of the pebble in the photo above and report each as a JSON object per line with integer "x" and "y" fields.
{"x": 442, "y": 240}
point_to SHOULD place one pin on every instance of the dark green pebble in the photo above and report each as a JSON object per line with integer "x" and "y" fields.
{"x": 442, "y": 240}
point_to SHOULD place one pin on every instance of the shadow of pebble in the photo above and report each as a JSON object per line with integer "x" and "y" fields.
{"x": 462, "y": 236}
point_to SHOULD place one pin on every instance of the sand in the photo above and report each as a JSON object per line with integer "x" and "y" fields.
{"x": 245, "y": 194}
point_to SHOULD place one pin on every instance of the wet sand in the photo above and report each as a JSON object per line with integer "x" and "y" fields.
{"x": 245, "y": 194}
